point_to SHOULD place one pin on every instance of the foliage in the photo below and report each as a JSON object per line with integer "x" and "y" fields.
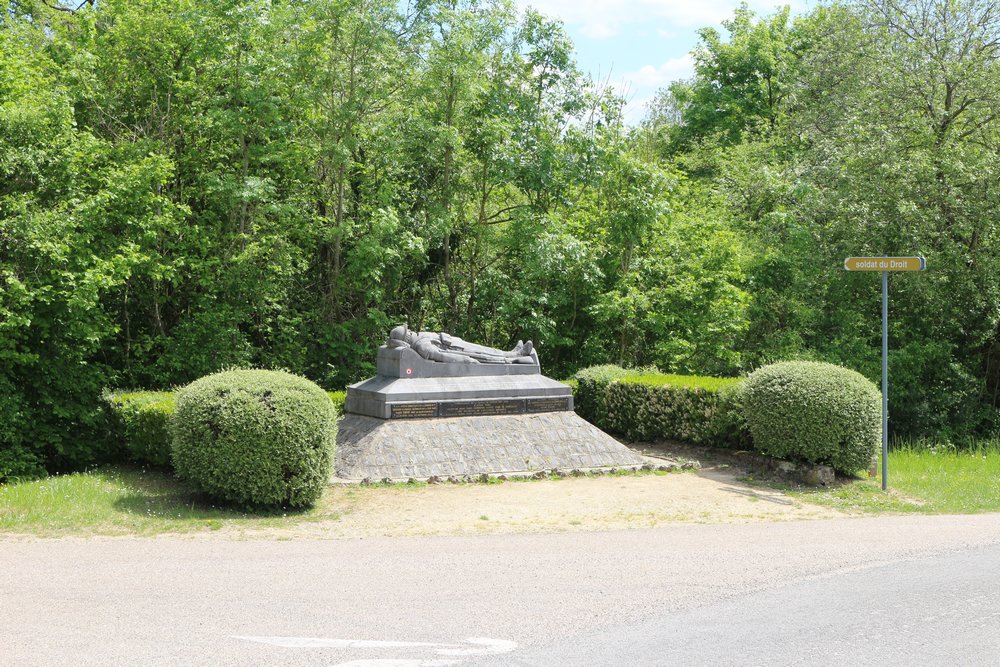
{"x": 881, "y": 138}
{"x": 590, "y": 394}
{"x": 740, "y": 86}
{"x": 196, "y": 185}
{"x": 140, "y": 423}
{"x": 647, "y": 405}
{"x": 686, "y": 408}
{"x": 814, "y": 412}
{"x": 338, "y": 398}
{"x": 254, "y": 438}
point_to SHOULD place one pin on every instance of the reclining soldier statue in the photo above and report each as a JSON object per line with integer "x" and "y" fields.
{"x": 439, "y": 346}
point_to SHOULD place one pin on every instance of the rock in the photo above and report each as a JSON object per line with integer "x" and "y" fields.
{"x": 819, "y": 476}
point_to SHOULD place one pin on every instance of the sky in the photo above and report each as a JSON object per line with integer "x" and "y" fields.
{"x": 640, "y": 46}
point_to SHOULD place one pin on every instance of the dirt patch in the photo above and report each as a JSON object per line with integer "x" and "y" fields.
{"x": 711, "y": 495}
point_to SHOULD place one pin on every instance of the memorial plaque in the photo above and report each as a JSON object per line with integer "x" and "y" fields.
{"x": 484, "y": 408}
{"x": 553, "y": 404}
{"x": 414, "y": 411}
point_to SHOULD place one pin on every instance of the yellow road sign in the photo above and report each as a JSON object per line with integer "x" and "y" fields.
{"x": 885, "y": 264}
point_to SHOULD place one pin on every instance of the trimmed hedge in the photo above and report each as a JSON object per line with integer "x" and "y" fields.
{"x": 642, "y": 405}
{"x": 589, "y": 393}
{"x": 338, "y": 398}
{"x": 140, "y": 422}
{"x": 254, "y": 437}
{"x": 814, "y": 412}
{"x": 699, "y": 410}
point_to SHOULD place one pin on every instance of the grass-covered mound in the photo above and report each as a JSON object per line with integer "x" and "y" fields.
{"x": 813, "y": 412}
{"x": 254, "y": 437}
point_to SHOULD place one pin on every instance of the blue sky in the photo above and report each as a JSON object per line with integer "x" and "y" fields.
{"x": 639, "y": 46}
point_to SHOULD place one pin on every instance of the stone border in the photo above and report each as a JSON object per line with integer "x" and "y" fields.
{"x": 485, "y": 478}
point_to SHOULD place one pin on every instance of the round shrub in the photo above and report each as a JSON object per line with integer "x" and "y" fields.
{"x": 814, "y": 412}
{"x": 254, "y": 437}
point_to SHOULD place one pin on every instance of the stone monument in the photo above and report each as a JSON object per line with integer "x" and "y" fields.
{"x": 440, "y": 406}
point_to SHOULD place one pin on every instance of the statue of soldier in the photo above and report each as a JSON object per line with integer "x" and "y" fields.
{"x": 439, "y": 346}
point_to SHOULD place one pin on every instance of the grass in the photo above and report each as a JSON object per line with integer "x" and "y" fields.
{"x": 923, "y": 477}
{"x": 125, "y": 501}
{"x": 121, "y": 500}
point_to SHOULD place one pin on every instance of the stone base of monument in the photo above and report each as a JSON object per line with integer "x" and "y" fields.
{"x": 419, "y": 419}
{"x": 373, "y": 449}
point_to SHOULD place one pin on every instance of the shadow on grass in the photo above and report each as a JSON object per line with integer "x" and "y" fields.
{"x": 153, "y": 493}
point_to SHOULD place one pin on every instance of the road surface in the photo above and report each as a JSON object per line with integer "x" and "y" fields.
{"x": 891, "y": 589}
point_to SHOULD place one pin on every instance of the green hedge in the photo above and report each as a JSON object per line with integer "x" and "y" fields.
{"x": 255, "y": 438}
{"x": 338, "y": 398}
{"x": 814, "y": 412}
{"x": 643, "y": 405}
{"x": 589, "y": 393}
{"x": 140, "y": 423}
{"x": 699, "y": 410}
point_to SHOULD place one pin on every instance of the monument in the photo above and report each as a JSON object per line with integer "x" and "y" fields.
{"x": 440, "y": 406}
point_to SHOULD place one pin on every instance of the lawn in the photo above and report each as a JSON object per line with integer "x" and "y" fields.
{"x": 125, "y": 501}
{"x": 923, "y": 477}
{"x": 135, "y": 501}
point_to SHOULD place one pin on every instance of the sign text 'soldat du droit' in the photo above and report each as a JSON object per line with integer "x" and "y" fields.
{"x": 885, "y": 263}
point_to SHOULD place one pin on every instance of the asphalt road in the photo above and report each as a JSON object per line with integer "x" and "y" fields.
{"x": 814, "y": 592}
{"x": 943, "y": 610}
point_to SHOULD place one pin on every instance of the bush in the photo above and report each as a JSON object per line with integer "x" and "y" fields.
{"x": 678, "y": 407}
{"x": 338, "y": 398}
{"x": 254, "y": 437}
{"x": 140, "y": 421}
{"x": 588, "y": 396}
{"x": 814, "y": 412}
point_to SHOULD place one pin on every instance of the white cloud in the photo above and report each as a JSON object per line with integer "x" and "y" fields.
{"x": 657, "y": 77}
{"x": 606, "y": 18}
{"x": 639, "y": 86}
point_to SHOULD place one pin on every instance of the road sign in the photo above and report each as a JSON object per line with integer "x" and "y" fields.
{"x": 885, "y": 264}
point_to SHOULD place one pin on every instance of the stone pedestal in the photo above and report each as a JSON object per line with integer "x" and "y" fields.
{"x": 402, "y": 449}
{"x": 420, "y": 419}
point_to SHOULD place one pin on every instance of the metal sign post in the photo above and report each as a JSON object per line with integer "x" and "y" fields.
{"x": 885, "y": 265}
{"x": 885, "y": 380}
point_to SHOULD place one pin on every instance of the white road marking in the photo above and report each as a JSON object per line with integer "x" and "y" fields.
{"x": 307, "y": 642}
{"x": 382, "y": 662}
{"x": 486, "y": 645}
{"x": 480, "y": 646}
